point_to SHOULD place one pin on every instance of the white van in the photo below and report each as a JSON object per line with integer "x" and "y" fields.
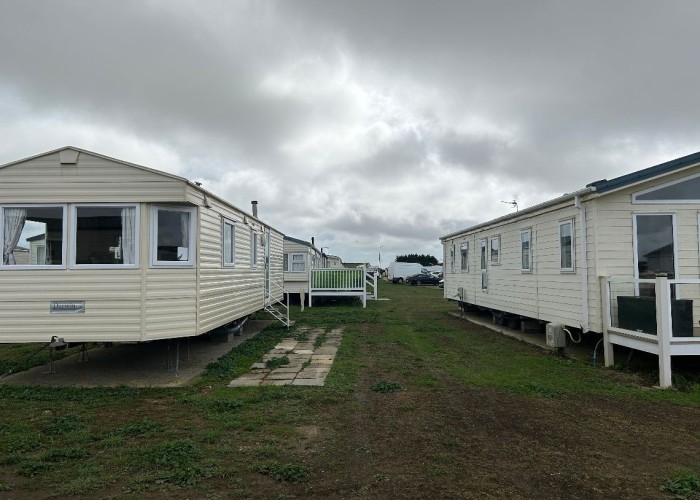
{"x": 399, "y": 271}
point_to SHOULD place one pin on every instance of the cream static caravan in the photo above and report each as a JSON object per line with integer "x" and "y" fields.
{"x": 549, "y": 262}
{"x": 299, "y": 258}
{"x": 125, "y": 253}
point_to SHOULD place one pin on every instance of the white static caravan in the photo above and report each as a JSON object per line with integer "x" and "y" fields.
{"x": 127, "y": 253}
{"x": 299, "y": 258}
{"x": 558, "y": 261}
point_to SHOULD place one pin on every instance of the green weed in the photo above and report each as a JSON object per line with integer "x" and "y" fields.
{"x": 144, "y": 428}
{"x": 291, "y": 473}
{"x": 683, "y": 484}
{"x": 274, "y": 363}
{"x": 63, "y": 454}
{"x": 384, "y": 386}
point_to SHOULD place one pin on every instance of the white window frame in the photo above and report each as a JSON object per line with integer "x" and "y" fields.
{"x": 527, "y": 231}
{"x": 74, "y": 236}
{"x": 253, "y": 248}
{"x": 635, "y": 245}
{"x": 228, "y": 222}
{"x": 464, "y": 262}
{"x": 496, "y": 262}
{"x": 290, "y": 262}
{"x": 571, "y": 269}
{"x": 637, "y": 201}
{"x": 64, "y": 242}
{"x": 453, "y": 258}
{"x": 192, "y": 248}
{"x": 484, "y": 263}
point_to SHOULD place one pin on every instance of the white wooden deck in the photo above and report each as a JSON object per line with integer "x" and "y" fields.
{"x": 342, "y": 282}
{"x": 663, "y": 343}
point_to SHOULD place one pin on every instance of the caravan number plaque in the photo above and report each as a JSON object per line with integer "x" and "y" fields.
{"x": 67, "y": 307}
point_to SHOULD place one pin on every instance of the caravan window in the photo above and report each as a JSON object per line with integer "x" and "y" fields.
{"x": 105, "y": 235}
{"x": 526, "y": 250}
{"x": 295, "y": 262}
{"x": 32, "y": 236}
{"x": 228, "y": 243}
{"x": 655, "y": 245}
{"x": 253, "y": 248}
{"x": 464, "y": 252}
{"x": 496, "y": 250}
{"x": 482, "y": 265}
{"x": 566, "y": 246}
{"x": 172, "y": 237}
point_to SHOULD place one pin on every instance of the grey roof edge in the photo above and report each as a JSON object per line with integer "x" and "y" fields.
{"x": 301, "y": 242}
{"x": 147, "y": 169}
{"x": 526, "y": 211}
{"x": 604, "y": 186}
{"x": 599, "y": 187}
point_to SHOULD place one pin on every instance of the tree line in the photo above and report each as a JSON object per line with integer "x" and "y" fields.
{"x": 422, "y": 259}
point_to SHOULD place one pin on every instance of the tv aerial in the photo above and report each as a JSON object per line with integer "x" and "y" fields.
{"x": 512, "y": 203}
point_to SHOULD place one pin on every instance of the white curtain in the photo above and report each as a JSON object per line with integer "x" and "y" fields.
{"x": 14, "y": 223}
{"x": 185, "y": 225}
{"x": 129, "y": 235}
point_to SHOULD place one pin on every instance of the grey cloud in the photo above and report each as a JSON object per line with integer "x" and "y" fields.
{"x": 382, "y": 120}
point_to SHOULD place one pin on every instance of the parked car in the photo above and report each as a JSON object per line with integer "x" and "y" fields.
{"x": 441, "y": 284}
{"x": 422, "y": 279}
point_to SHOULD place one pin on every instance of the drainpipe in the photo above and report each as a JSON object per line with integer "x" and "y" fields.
{"x": 584, "y": 267}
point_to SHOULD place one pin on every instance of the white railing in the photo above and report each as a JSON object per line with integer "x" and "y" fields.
{"x": 276, "y": 307}
{"x": 371, "y": 280}
{"x": 340, "y": 282}
{"x": 629, "y": 330}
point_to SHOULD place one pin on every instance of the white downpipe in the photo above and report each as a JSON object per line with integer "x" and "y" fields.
{"x": 584, "y": 265}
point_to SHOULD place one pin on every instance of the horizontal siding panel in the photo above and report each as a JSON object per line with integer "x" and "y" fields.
{"x": 170, "y": 318}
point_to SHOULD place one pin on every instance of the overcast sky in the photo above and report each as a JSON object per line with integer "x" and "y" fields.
{"x": 362, "y": 123}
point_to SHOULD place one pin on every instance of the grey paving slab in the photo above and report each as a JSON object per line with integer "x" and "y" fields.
{"x": 316, "y": 357}
{"x": 286, "y": 369}
{"x": 326, "y": 350}
{"x": 276, "y": 382}
{"x": 313, "y": 373}
{"x": 245, "y": 382}
{"x": 281, "y": 376}
{"x": 308, "y": 365}
{"x": 308, "y": 382}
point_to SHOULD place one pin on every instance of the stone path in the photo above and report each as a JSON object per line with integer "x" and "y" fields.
{"x": 307, "y": 365}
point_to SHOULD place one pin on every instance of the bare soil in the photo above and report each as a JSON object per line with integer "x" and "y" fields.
{"x": 453, "y": 441}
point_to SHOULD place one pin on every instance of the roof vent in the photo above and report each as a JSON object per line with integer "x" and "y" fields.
{"x": 68, "y": 157}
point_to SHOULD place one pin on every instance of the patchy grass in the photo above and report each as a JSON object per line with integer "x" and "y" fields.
{"x": 278, "y": 362}
{"x": 471, "y": 414}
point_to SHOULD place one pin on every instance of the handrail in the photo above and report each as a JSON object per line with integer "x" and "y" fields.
{"x": 269, "y": 300}
{"x": 662, "y": 342}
